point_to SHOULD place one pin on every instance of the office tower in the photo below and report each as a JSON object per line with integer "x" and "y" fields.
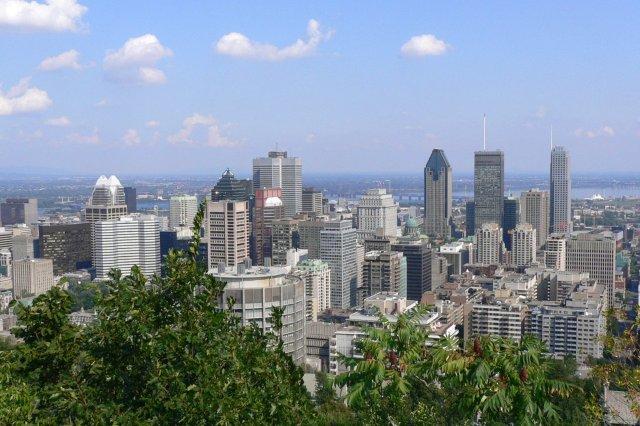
{"x": 338, "y": 249}
{"x": 510, "y": 220}
{"x": 22, "y": 242}
{"x": 131, "y": 199}
{"x": 384, "y": 271}
{"x": 377, "y": 210}
{"x": 68, "y": 245}
{"x": 555, "y": 255}
{"x": 438, "y": 192}
{"x": 280, "y": 171}
{"x": 256, "y": 290}
{"x": 534, "y": 209}
{"x": 560, "y": 191}
{"x": 439, "y": 271}
{"x": 488, "y": 190}
{"x": 107, "y": 200}
{"x": 523, "y": 252}
{"x": 127, "y": 241}
{"x": 458, "y": 254}
{"x": 268, "y": 208}
{"x": 284, "y": 237}
{"x": 316, "y": 275}
{"x": 227, "y": 232}
{"x": 489, "y": 240}
{"x": 418, "y": 257}
{"x": 593, "y": 252}
{"x": 360, "y": 251}
{"x": 182, "y": 210}
{"x": 309, "y": 229}
{"x": 19, "y": 210}
{"x": 230, "y": 188}
{"x": 32, "y": 277}
{"x": 470, "y": 218}
{"x": 311, "y": 201}
{"x": 5, "y": 263}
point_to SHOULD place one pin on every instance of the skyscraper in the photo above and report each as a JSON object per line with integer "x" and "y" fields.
{"x": 131, "y": 199}
{"x": 227, "y": 232}
{"x": 67, "y": 244}
{"x": 438, "y": 192}
{"x": 470, "y": 218}
{"x": 378, "y": 211}
{"x": 182, "y": 210}
{"x": 338, "y": 249}
{"x": 127, "y": 241}
{"x": 488, "y": 190}
{"x": 509, "y": 220}
{"x": 489, "y": 237}
{"x": 284, "y": 236}
{"x": 534, "y": 209}
{"x": 311, "y": 201}
{"x": 230, "y": 188}
{"x": 593, "y": 252}
{"x": 268, "y": 208}
{"x": 524, "y": 245}
{"x": 418, "y": 255}
{"x": 107, "y": 200}
{"x": 281, "y": 171}
{"x": 560, "y": 190}
{"x": 32, "y": 277}
{"x": 19, "y": 210}
{"x": 384, "y": 271}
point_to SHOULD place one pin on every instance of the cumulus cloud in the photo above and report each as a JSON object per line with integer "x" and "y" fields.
{"x": 136, "y": 61}
{"x": 152, "y": 123}
{"x": 68, "y": 59}
{"x": 23, "y": 98}
{"x": 424, "y": 45}
{"x": 240, "y": 46}
{"x": 50, "y": 15}
{"x": 213, "y": 136}
{"x": 604, "y": 131}
{"x": 58, "y": 122}
{"x": 131, "y": 137}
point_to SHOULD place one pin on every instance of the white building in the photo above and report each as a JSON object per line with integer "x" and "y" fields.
{"x": 125, "y": 242}
{"x": 377, "y": 210}
{"x": 458, "y": 254}
{"x": 524, "y": 245}
{"x": 338, "y": 249}
{"x": 560, "y": 191}
{"x": 595, "y": 253}
{"x": 227, "y": 232}
{"x": 498, "y": 317}
{"x": 32, "y": 277}
{"x": 316, "y": 275}
{"x": 489, "y": 242}
{"x": 534, "y": 210}
{"x": 182, "y": 210}
{"x": 555, "y": 254}
{"x": 278, "y": 170}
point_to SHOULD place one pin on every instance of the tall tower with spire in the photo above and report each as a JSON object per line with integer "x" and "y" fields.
{"x": 560, "y": 190}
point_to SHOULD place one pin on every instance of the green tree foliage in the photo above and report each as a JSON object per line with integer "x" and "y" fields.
{"x": 400, "y": 380}
{"x": 84, "y": 294}
{"x": 161, "y": 352}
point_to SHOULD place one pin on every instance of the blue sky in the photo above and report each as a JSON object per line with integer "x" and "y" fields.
{"x": 164, "y": 87}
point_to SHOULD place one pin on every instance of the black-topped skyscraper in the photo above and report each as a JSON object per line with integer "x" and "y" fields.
{"x": 230, "y": 188}
{"x": 437, "y": 195}
{"x": 560, "y": 191}
{"x": 488, "y": 190}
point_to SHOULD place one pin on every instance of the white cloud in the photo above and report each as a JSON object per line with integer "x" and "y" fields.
{"x": 68, "y": 59}
{"x": 424, "y": 45}
{"x": 101, "y": 103}
{"x": 311, "y": 137}
{"x": 604, "y": 131}
{"x": 152, "y": 123}
{"x": 50, "y": 15}
{"x": 23, "y": 98}
{"x": 240, "y": 46}
{"x": 213, "y": 134}
{"x": 131, "y": 137}
{"x": 58, "y": 122}
{"x": 92, "y": 138}
{"x": 136, "y": 61}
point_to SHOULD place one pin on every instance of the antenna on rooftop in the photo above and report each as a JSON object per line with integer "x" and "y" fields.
{"x": 484, "y": 132}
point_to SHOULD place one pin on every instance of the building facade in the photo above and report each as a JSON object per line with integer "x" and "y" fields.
{"x": 534, "y": 209}
{"x": 182, "y": 210}
{"x": 377, "y": 210}
{"x": 438, "y": 195}
{"x": 489, "y": 242}
{"x": 560, "y": 190}
{"x": 68, "y": 245}
{"x": 316, "y": 275}
{"x": 19, "y": 210}
{"x": 227, "y": 232}
{"x": 384, "y": 271}
{"x": 338, "y": 249}
{"x": 417, "y": 254}
{"x": 311, "y": 201}
{"x": 523, "y": 252}
{"x": 488, "y": 187}
{"x": 594, "y": 253}
{"x": 278, "y": 170}
{"x": 107, "y": 200}
{"x": 268, "y": 208}
{"x": 31, "y": 277}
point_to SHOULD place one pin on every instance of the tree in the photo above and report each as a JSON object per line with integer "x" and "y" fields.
{"x": 161, "y": 351}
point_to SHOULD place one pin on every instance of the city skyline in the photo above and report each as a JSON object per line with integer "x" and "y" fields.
{"x": 303, "y": 79}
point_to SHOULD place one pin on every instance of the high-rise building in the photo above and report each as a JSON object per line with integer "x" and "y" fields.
{"x": 284, "y": 237}
{"x": 534, "y": 209}
{"x": 439, "y": 271}
{"x": 227, "y": 232}
{"x": 384, "y": 271}
{"x": 560, "y": 191}
{"x": 496, "y": 317}
{"x": 488, "y": 187}
{"x": 593, "y": 252}
{"x": 268, "y": 208}
{"x": 131, "y": 199}
{"x": 182, "y": 210}
{"x": 68, "y": 245}
{"x": 489, "y": 240}
{"x": 278, "y": 170}
{"x": 438, "y": 192}
{"x": 107, "y": 200}
{"x": 32, "y": 277}
{"x": 316, "y": 275}
{"x": 338, "y": 249}
{"x": 5, "y": 263}
{"x": 19, "y": 210}
{"x": 21, "y": 242}
{"x": 509, "y": 220}
{"x": 311, "y": 201}
{"x": 230, "y": 188}
{"x": 309, "y": 228}
{"x": 377, "y": 210}
{"x": 523, "y": 252}
{"x": 555, "y": 255}
{"x": 470, "y": 218}
{"x": 256, "y": 290}
{"x": 458, "y": 254}
{"x": 418, "y": 257}
{"x": 127, "y": 241}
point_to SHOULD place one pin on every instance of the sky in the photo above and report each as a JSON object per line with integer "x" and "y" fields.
{"x": 167, "y": 87}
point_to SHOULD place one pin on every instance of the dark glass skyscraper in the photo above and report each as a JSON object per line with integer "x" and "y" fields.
{"x": 230, "y": 188}
{"x": 510, "y": 220}
{"x": 470, "y": 218}
{"x": 67, "y": 244}
{"x": 418, "y": 254}
{"x": 131, "y": 199}
{"x": 437, "y": 195}
{"x": 488, "y": 187}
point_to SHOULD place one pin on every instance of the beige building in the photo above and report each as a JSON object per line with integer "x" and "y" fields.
{"x": 227, "y": 232}
{"x": 593, "y": 252}
{"x": 489, "y": 242}
{"x": 32, "y": 277}
{"x": 524, "y": 245}
{"x": 377, "y": 210}
{"x": 555, "y": 255}
{"x": 534, "y": 210}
